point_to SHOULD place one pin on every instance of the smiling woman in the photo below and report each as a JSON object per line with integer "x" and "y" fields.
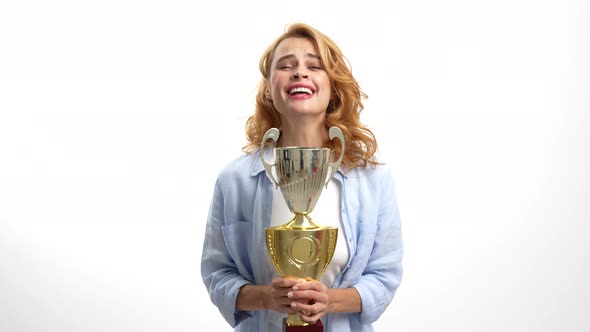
{"x": 116, "y": 117}
{"x": 306, "y": 88}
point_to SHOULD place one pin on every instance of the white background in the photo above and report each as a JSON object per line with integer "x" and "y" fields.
{"x": 116, "y": 116}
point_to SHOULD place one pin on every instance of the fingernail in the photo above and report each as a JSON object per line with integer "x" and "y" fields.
{"x": 290, "y": 294}
{"x": 293, "y": 305}
{"x": 295, "y": 288}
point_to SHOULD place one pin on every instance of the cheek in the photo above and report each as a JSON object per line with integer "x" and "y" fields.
{"x": 275, "y": 83}
{"x": 326, "y": 87}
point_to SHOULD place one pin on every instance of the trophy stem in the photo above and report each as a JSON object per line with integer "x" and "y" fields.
{"x": 301, "y": 221}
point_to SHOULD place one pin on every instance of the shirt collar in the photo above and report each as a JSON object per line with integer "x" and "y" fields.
{"x": 257, "y": 166}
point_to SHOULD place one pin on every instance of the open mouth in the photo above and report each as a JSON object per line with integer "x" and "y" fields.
{"x": 300, "y": 91}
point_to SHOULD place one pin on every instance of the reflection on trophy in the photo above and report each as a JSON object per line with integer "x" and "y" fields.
{"x": 300, "y": 248}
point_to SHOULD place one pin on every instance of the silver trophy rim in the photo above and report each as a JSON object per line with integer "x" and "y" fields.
{"x": 306, "y": 148}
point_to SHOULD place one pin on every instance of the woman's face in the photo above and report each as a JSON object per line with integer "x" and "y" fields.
{"x": 298, "y": 83}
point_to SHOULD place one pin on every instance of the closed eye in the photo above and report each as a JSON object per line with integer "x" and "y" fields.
{"x": 285, "y": 64}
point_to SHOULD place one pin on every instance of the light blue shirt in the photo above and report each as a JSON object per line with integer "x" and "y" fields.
{"x": 234, "y": 250}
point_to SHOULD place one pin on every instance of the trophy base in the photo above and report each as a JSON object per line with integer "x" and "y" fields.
{"x": 317, "y": 327}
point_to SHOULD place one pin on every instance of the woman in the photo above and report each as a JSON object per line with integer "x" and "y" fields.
{"x": 306, "y": 88}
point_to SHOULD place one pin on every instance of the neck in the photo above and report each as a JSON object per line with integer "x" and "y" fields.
{"x": 303, "y": 134}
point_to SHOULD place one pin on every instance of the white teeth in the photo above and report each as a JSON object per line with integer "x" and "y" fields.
{"x": 300, "y": 89}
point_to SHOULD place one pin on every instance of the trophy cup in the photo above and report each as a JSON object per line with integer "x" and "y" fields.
{"x": 300, "y": 248}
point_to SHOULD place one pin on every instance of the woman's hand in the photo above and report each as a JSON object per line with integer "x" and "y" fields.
{"x": 279, "y": 289}
{"x": 310, "y": 300}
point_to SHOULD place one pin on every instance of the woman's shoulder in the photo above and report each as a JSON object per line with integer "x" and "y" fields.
{"x": 244, "y": 164}
{"x": 371, "y": 172}
{"x": 372, "y": 181}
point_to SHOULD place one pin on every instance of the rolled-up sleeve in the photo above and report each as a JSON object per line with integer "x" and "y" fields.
{"x": 218, "y": 269}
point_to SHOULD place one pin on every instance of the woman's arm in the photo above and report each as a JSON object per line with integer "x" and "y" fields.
{"x": 252, "y": 297}
{"x": 218, "y": 269}
{"x": 271, "y": 297}
{"x": 344, "y": 300}
{"x": 380, "y": 249}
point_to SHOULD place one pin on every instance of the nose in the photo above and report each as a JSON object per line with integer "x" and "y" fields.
{"x": 299, "y": 74}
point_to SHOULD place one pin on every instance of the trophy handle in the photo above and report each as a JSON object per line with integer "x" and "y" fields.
{"x": 335, "y": 132}
{"x": 272, "y": 133}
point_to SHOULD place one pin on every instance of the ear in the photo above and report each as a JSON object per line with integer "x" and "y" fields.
{"x": 267, "y": 92}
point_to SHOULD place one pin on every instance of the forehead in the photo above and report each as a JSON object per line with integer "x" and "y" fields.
{"x": 295, "y": 46}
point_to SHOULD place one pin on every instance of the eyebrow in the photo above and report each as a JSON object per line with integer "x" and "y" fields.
{"x": 309, "y": 55}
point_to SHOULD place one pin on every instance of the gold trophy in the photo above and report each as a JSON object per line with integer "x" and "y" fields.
{"x": 301, "y": 248}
